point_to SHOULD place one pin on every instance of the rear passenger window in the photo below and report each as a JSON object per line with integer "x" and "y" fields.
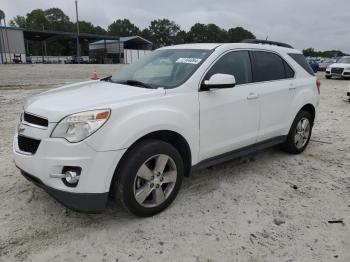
{"x": 300, "y": 59}
{"x": 235, "y": 63}
{"x": 268, "y": 66}
{"x": 289, "y": 71}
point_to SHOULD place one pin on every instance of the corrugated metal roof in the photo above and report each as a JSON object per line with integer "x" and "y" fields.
{"x": 122, "y": 40}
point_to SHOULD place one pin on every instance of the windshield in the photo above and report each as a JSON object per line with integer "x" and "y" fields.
{"x": 345, "y": 60}
{"x": 166, "y": 68}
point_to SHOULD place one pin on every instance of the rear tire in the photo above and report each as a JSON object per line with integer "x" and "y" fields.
{"x": 299, "y": 134}
{"x": 149, "y": 177}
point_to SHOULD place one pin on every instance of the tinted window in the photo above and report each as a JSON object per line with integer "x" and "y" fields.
{"x": 300, "y": 59}
{"x": 289, "y": 70}
{"x": 268, "y": 66}
{"x": 234, "y": 63}
{"x": 166, "y": 68}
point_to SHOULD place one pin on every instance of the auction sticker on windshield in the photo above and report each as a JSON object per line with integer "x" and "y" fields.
{"x": 188, "y": 60}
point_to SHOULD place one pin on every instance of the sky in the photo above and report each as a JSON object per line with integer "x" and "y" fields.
{"x": 321, "y": 24}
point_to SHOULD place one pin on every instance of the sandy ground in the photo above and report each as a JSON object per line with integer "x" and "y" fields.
{"x": 270, "y": 206}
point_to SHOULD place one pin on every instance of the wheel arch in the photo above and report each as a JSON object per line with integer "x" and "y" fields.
{"x": 171, "y": 137}
{"x": 310, "y": 109}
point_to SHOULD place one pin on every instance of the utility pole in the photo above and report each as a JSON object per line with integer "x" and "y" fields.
{"x": 1, "y": 39}
{"x": 78, "y": 46}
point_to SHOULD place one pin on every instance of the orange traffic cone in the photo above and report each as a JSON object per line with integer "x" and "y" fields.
{"x": 94, "y": 75}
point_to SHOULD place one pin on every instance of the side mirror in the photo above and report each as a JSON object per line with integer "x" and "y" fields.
{"x": 219, "y": 81}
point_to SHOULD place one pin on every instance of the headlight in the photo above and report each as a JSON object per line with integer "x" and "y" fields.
{"x": 75, "y": 128}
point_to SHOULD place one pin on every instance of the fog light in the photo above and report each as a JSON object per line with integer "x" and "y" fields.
{"x": 71, "y": 177}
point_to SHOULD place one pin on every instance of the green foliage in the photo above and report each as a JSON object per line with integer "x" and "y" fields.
{"x": 211, "y": 33}
{"x": 329, "y": 53}
{"x": 161, "y": 32}
{"x": 18, "y": 21}
{"x": 123, "y": 28}
{"x": 237, "y": 34}
{"x": 57, "y": 20}
{"x": 2, "y": 14}
{"x": 37, "y": 20}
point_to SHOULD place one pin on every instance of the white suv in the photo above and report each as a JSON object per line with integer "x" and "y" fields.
{"x": 339, "y": 69}
{"x": 180, "y": 108}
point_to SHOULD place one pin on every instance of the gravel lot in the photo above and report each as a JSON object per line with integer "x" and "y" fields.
{"x": 270, "y": 206}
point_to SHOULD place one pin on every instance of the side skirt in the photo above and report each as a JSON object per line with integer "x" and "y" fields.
{"x": 239, "y": 153}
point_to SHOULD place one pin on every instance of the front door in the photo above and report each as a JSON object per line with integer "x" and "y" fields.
{"x": 229, "y": 117}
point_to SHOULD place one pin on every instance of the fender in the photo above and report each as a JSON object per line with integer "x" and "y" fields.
{"x": 303, "y": 97}
{"x": 130, "y": 123}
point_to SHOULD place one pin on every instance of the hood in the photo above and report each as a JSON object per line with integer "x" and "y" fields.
{"x": 341, "y": 65}
{"x": 60, "y": 102}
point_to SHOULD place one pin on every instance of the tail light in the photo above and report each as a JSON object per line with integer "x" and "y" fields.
{"x": 318, "y": 85}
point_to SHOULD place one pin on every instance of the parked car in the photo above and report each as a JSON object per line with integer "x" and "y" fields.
{"x": 325, "y": 63}
{"x": 75, "y": 60}
{"x": 339, "y": 69}
{"x": 136, "y": 134}
{"x": 313, "y": 64}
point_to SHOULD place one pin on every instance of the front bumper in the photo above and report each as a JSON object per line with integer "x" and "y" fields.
{"x": 54, "y": 154}
{"x": 81, "y": 202}
{"x": 345, "y": 73}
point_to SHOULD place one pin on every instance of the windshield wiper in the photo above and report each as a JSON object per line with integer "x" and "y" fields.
{"x": 138, "y": 83}
{"x": 130, "y": 82}
{"x": 107, "y": 79}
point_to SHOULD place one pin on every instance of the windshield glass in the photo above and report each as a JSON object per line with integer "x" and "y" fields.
{"x": 345, "y": 60}
{"x": 166, "y": 68}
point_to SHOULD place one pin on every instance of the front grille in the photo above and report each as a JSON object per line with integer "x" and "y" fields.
{"x": 35, "y": 120}
{"x": 337, "y": 70}
{"x": 28, "y": 145}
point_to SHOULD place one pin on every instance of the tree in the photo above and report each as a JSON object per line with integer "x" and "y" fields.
{"x": 123, "y": 28}
{"x": 2, "y": 14}
{"x": 211, "y": 33}
{"x": 58, "y": 20}
{"x": 19, "y": 21}
{"x": 237, "y": 34}
{"x": 37, "y": 20}
{"x": 99, "y": 30}
{"x": 181, "y": 37}
{"x": 162, "y": 32}
{"x": 328, "y": 53}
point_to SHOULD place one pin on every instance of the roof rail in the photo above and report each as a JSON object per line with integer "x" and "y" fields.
{"x": 265, "y": 42}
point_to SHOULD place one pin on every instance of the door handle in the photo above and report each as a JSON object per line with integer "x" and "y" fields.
{"x": 292, "y": 86}
{"x": 252, "y": 96}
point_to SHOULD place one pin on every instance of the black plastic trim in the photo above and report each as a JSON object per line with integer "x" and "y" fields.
{"x": 239, "y": 153}
{"x": 28, "y": 144}
{"x": 80, "y": 202}
{"x": 205, "y": 87}
{"x": 35, "y": 120}
{"x": 266, "y": 42}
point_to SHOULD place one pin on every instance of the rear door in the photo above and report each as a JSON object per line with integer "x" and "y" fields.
{"x": 275, "y": 79}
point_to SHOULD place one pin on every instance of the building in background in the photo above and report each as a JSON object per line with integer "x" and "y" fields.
{"x": 102, "y": 48}
{"x": 126, "y": 50}
{"x": 12, "y": 46}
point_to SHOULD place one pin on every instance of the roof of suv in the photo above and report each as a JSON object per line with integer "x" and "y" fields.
{"x": 210, "y": 46}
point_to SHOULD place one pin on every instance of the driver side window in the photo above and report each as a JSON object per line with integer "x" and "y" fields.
{"x": 236, "y": 63}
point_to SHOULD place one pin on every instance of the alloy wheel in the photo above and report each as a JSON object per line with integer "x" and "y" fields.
{"x": 155, "y": 180}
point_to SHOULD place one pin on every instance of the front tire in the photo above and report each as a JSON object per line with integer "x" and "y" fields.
{"x": 299, "y": 134}
{"x": 149, "y": 177}
{"x": 328, "y": 77}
